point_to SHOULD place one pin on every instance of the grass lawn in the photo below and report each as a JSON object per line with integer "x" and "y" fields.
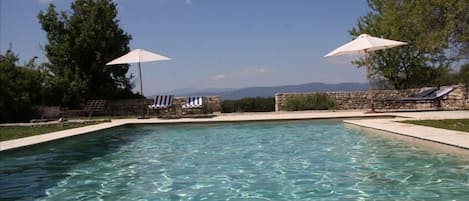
{"x": 451, "y": 124}
{"x": 15, "y": 132}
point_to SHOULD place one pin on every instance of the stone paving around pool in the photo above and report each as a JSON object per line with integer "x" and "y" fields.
{"x": 379, "y": 121}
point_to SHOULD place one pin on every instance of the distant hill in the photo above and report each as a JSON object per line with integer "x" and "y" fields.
{"x": 308, "y": 87}
{"x": 186, "y": 91}
{"x": 234, "y": 94}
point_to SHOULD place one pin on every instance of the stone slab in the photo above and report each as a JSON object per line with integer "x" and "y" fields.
{"x": 448, "y": 137}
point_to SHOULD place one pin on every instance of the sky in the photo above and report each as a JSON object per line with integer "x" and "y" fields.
{"x": 214, "y": 43}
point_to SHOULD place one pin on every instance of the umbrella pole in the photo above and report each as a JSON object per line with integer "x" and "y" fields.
{"x": 368, "y": 76}
{"x": 141, "y": 89}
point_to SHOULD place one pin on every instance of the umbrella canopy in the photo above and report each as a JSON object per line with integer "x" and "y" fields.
{"x": 362, "y": 45}
{"x": 365, "y": 43}
{"x": 138, "y": 56}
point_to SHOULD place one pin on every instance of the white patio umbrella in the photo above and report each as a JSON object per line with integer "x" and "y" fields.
{"x": 138, "y": 56}
{"x": 362, "y": 45}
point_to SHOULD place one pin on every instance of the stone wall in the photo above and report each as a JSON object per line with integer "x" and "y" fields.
{"x": 457, "y": 99}
{"x": 134, "y": 106}
{"x": 466, "y": 103}
{"x": 126, "y": 107}
{"x": 213, "y": 104}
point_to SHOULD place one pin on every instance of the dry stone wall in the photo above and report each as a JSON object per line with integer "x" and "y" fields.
{"x": 126, "y": 107}
{"x": 457, "y": 99}
{"x": 134, "y": 106}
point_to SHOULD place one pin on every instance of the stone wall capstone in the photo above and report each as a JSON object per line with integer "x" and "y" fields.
{"x": 358, "y": 100}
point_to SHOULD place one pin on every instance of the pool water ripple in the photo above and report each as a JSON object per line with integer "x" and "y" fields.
{"x": 302, "y": 160}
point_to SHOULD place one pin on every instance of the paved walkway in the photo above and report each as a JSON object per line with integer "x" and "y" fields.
{"x": 449, "y": 137}
{"x": 379, "y": 121}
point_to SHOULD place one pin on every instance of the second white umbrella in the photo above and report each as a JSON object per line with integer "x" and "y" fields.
{"x": 362, "y": 45}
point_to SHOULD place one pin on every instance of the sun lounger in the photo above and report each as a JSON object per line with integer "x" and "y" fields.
{"x": 427, "y": 99}
{"x": 193, "y": 103}
{"x": 429, "y": 95}
{"x": 95, "y": 106}
{"x": 162, "y": 102}
{"x": 91, "y": 107}
{"x": 195, "y": 107}
{"x": 423, "y": 94}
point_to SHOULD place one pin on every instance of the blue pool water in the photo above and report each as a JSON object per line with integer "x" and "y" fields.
{"x": 299, "y": 160}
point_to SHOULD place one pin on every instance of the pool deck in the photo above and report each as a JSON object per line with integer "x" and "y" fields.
{"x": 379, "y": 121}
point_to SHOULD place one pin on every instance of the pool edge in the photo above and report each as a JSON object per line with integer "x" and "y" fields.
{"x": 456, "y": 139}
{"x": 345, "y": 116}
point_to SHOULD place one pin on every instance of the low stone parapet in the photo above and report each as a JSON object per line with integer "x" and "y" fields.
{"x": 134, "y": 106}
{"x": 357, "y": 100}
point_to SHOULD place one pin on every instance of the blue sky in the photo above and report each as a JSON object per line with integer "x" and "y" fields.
{"x": 215, "y": 43}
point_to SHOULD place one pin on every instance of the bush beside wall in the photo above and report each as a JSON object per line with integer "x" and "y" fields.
{"x": 317, "y": 101}
{"x": 258, "y": 104}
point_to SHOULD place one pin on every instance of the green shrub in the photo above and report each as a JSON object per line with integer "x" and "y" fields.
{"x": 317, "y": 101}
{"x": 257, "y": 104}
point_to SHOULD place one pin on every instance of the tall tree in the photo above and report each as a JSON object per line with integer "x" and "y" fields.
{"x": 460, "y": 36}
{"x": 464, "y": 74}
{"x": 80, "y": 44}
{"x": 19, "y": 88}
{"x": 434, "y": 30}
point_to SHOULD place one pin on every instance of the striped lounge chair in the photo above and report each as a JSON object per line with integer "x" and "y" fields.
{"x": 431, "y": 94}
{"x": 162, "y": 102}
{"x": 195, "y": 102}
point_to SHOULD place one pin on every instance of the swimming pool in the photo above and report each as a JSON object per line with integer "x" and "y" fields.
{"x": 294, "y": 160}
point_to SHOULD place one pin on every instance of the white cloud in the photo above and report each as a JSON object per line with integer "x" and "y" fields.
{"x": 241, "y": 73}
{"x": 218, "y": 77}
{"x": 188, "y": 2}
{"x": 252, "y": 71}
{"x": 45, "y": 1}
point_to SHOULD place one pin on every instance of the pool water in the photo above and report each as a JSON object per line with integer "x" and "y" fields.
{"x": 295, "y": 160}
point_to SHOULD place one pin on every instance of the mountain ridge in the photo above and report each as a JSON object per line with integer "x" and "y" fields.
{"x": 234, "y": 94}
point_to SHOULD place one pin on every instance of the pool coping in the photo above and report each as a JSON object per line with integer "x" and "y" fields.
{"x": 378, "y": 121}
{"x": 458, "y": 139}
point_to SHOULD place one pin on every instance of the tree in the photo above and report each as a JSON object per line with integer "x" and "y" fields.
{"x": 434, "y": 30}
{"x": 19, "y": 87}
{"x": 79, "y": 46}
{"x": 460, "y": 36}
{"x": 463, "y": 74}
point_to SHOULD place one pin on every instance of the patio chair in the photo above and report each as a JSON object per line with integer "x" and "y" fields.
{"x": 95, "y": 106}
{"x": 423, "y": 94}
{"x": 194, "y": 102}
{"x": 429, "y": 95}
{"x": 91, "y": 107}
{"x": 162, "y": 102}
{"x": 424, "y": 100}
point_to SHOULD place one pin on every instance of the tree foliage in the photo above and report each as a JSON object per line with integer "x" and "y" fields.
{"x": 79, "y": 46}
{"x": 20, "y": 88}
{"x": 463, "y": 75}
{"x": 436, "y": 32}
